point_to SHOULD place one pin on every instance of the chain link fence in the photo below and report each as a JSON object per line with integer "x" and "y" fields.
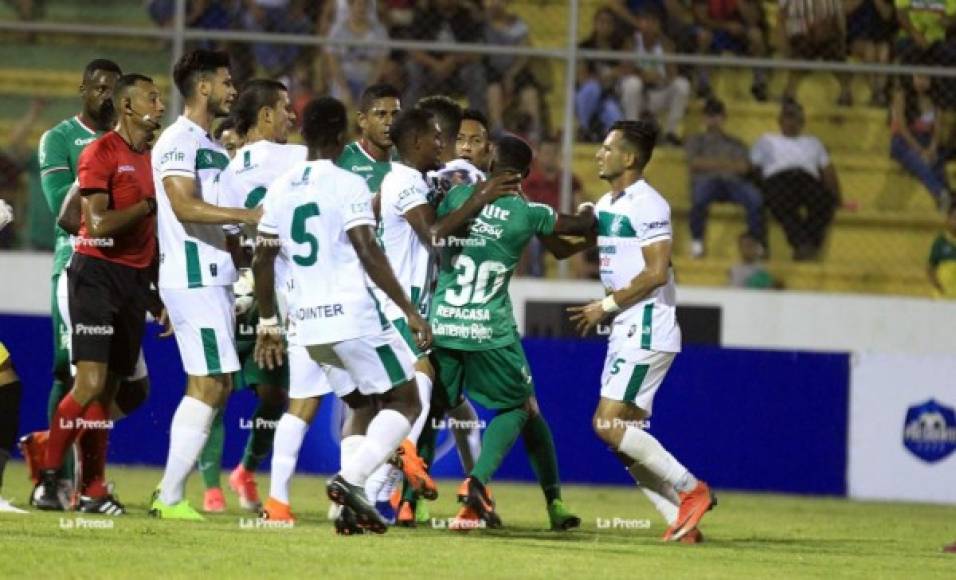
{"x": 804, "y": 144}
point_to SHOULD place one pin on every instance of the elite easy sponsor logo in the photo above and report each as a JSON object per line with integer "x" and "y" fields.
{"x": 930, "y": 431}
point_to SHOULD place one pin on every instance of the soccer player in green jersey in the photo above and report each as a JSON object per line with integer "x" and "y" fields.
{"x": 477, "y": 348}
{"x": 59, "y": 150}
{"x": 372, "y": 154}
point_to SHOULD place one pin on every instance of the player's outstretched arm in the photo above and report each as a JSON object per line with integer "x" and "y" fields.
{"x": 421, "y": 218}
{"x": 380, "y": 271}
{"x": 102, "y": 222}
{"x": 485, "y": 193}
{"x": 191, "y": 209}
{"x": 562, "y": 248}
{"x": 269, "y": 346}
{"x": 70, "y": 211}
{"x": 657, "y": 259}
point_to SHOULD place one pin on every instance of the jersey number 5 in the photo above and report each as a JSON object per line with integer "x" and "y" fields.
{"x": 301, "y": 236}
{"x": 473, "y": 282}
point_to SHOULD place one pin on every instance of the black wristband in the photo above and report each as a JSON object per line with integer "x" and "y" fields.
{"x": 151, "y": 203}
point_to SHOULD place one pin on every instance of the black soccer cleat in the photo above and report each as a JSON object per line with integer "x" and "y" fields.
{"x": 45, "y": 495}
{"x": 108, "y": 505}
{"x": 474, "y": 495}
{"x": 347, "y": 524}
{"x": 353, "y": 496}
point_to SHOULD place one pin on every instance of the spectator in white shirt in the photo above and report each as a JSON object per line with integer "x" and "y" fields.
{"x": 800, "y": 184}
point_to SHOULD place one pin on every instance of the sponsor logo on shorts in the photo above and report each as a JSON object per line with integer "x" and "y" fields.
{"x": 452, "y": 423}
{"x": 929, "y": 431}
{"x": 621, "y": 524}
{"x": 93, "y": 329}
{"x": 86, "y": 524}
{"x": 264, "y": 524}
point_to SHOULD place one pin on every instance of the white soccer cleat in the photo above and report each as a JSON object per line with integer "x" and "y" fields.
{"x": 8, "y": 508}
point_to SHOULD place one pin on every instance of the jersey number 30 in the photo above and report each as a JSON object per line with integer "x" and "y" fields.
{"x": 302, "y": 236}
{"x": 475, "y": 285}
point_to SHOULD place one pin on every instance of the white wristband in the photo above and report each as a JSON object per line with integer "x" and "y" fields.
{"x": 271, "y": 321}
{"x": 609, "y": 305}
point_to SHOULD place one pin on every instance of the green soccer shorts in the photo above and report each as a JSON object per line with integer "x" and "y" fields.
{"x": 496, "y": 379}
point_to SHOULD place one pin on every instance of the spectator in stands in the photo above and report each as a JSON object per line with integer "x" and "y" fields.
{"x": 511, "y": 83}
{"x": 280, "y": 16}
{"x": 942, "y": 259}
{"x": 751, "y": 272}
{"x": 679, "y": 25}
{"x": 656, "y": 88}
{"x": 736, "y": 26}
{"x": 923, "y": 26}
{"x": 719, "y": 164}
{"x": 800, "y": 184}
{"x": 814, "y": 30}
{"x": 437, "y": 72}
{"x": 917, "y": 127}
{"x": 597, "y": 101}
{"x": 870, "y": 28}
{"x": 543, "y": 185}
{"x": 15, "y": 159}
{"x": 205, "y": 14}
{"x": 352, "y": 68}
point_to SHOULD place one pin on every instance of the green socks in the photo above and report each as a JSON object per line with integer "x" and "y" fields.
{"x": 499, "y": 438}
{"x": 210, "y": 460}
{"x": 57, "y": 392}
{"x": 543, "y": 457}
{"x": 262, "y": 435}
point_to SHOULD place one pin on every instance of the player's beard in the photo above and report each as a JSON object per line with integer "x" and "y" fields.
{"x": 105, "y": 116}
{"x": 218, "y": 108}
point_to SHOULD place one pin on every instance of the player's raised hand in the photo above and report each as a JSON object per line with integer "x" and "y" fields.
{"x": 421, "y": 330}
{"x": 269, "y": 346}
{"x": 498, "y": 186}
{"x": 587, "y": 317}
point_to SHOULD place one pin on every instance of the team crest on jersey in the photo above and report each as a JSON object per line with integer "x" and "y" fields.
{"x": 929, "y": 431}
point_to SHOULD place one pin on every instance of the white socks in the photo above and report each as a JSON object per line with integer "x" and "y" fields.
{"x": 648, "y": 451}
{"x": 425, "y": 396}
{"x": 661, "y": 494}
{"x": 187, "y": 437}
{"x": 382, "y": 438}
{"x": 467, "y": 439}
{"x": 377, "y": 482}
{"x": 290, "y": 432}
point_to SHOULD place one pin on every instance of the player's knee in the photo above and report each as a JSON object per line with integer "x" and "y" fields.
{"x": 131, "y": 395}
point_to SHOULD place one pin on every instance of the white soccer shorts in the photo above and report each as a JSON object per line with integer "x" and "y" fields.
{"x": 63, "y": 305}
{"x": 308, "y": 379}
{"x": 633, "y": 375}
{"x": 376, "y": 363}
{"x": 204, "y": 322}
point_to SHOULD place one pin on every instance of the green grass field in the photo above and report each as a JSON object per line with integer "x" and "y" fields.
{"x": 748, "y": 536}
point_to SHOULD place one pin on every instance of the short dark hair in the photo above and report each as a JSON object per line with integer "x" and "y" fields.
{"x": 127, "y": 81}
{"x": 375, "y": 92}
{"x": 476, "y": 116}
{"x": 641, "y": 135}
{"x": 255, "y": 95}
{"x": 513, "y": 153}
{"x": 408, "y": 123}
{"x": 100, "y": 64}
{"x": 446, "y": 111}
{"x": 227, "y": 124}
{"x": 323, "y": 122}
{"x": 193, "y": 64}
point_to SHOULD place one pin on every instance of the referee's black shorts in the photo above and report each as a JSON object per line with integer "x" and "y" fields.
{"x": 107, "y": 312}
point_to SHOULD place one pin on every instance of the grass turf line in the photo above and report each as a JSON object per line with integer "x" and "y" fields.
{"x": 748, "y": 536}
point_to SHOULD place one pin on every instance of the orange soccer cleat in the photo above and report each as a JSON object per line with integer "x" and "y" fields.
{"x": 243, "y": 482}
{"x": 33, "y": 448}
{"x": 405, "y": 515}
{"x": 276, "y": 511}
{"x": 694, "y": 536}
{"x": 693, "y": 505}
{"x": 465, "y": 520}
{"x": 414, "y": 469}
{"x": 213, "y": 502}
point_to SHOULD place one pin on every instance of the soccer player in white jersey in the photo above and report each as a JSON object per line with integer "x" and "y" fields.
{"x": 634, "y": 241}
{"x": 196, "y": 270}
{"x": 320, "y": 217}
{"x": 263, "y": 117}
